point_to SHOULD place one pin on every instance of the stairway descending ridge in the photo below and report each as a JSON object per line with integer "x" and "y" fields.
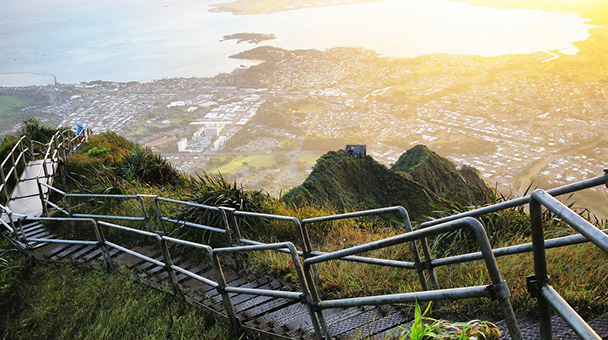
{"x": 264, "y": 316}
{"x": 273, "y": 317}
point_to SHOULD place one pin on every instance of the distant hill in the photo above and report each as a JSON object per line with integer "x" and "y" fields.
{"x": 420, "y": 175}
{"x": 440, "y": 176}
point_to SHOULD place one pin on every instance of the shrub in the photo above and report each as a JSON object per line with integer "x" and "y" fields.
{"x": 37, "y": 131}
{"x": 98, "y": 152}
{"x": 144, "y": 165}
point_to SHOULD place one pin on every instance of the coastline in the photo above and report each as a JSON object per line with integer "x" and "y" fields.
{"x": 253, "y": 7}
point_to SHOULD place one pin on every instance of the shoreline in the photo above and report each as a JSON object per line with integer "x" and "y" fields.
{"x": 252, "y": 7}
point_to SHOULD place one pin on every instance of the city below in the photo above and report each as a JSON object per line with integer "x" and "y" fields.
{"x": 266, "y": 125}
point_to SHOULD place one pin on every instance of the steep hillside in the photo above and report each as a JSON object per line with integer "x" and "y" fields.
{"x": 420, "y": 175}
{"x": 440, "y": 176}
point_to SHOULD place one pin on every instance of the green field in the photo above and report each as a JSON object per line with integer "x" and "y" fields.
{"x": 242, "y": 162}
{"x": 10, "y": 109}
{"x": 308, "y": 159}
{"x": 10, "y": 103}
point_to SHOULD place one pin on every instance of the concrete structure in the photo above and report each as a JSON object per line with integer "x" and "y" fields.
{"x": 182, "y": 145}
{"x": 357, "y": 151}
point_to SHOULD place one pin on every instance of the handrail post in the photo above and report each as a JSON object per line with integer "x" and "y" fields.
{"x": 9, "y": 214}
{"x": 42, "y": 198}
{"x": 61, "y": 169}
{"x": 4, "y": 184}
{"x": 314, "y": 294}
{"x": 540, "y": 267}
{"x": 23, "y": 158}
{"x": 499, "y": 288}
{"x": 168, "y": 267}
{"x": 428, "y": 265}
{"x": 307, "y": 296}
{"x": 305, "y": 236}
{"x": 101, "y": 239}
{"x": 14, "y": 167}
{"x": 231, "y": 219}
{"x": 143, "y": 211}
{"x": 225, "y": 213}
{"x": 420, "y": 266}
{"x": 69, "y": 143}
{"x": 21, "y": 232}
{"x": 221, "y": 288}
{"x": 159, "y": 215}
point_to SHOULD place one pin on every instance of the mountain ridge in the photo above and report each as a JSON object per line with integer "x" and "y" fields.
{"x": 419, "y": 177}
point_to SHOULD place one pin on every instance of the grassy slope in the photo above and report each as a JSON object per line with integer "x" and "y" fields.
{"x": 580, "y": 281}
{"x": 65, "y": 301}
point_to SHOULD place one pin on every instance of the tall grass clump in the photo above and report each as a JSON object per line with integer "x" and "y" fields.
{"x": 62, "y": 301}
{"x": 35, "y": 130}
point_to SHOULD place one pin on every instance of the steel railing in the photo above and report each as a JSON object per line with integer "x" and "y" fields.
{"x": 538, "y": 284}
{"x": 18, "y": 154}
{"x": 429, "y": 263}
{"x": 417, "y": 265}
{"x": 219, "y": 211}
{"x": 498, "y": 289}
{"x": 62, "y": 144}
{"x": 306, "y": 269}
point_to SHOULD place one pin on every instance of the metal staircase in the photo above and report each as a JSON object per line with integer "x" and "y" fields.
{"x": 264, "y": 306}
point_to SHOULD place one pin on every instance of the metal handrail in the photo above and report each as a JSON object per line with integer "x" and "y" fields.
{"x": 4, "y": 177}
{"x": 417, "y": 264}
{"x": 27, "y": 240}
{"x": 306, "y": 296}
{"x": 566, "y": 189}
{"x": 68, "y": 210}
{"x": 497, "y": 289}
{"x": 62, "y": 144}
{"x": 9, "y": 213}
{"x": 538, "y": 284}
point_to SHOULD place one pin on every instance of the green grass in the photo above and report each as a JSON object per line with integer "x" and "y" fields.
{"x": 308, "y": 159}
{"x": 243, "y": 162}
{"x": 86, "y": 90}
{"x": 577, "y": 272}
{"x": 65, "y": 301}
{"x": 9, "y": 103}
{"x": 10, "y": 108}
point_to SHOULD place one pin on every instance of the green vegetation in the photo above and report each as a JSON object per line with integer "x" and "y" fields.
{"x": 441, "y": 177}
{"x": 9, "y": 103}
{"x": 245, "y": 162}
{"x": 446, "y": 330}
{"x": 580, "y": 282}
{"x": 13, "y": 108}
{"x": 68, "y": 301}
{"x": 359, "y": 182}
{"x": 419, "y": 176}
{"x": 96, "y": 152}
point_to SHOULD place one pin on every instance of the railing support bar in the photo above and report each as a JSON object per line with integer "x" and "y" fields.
{"x": 540, "y": 267}
{"x": 169, "y": 267}
{"x": 102, "y": 244}
{"x": 4, "y": 185}
{"x": 144, "y": 213}
{"x": 578, "y": 325}
{"x": 414, "y": 249}
{"x": 221, "y": 288}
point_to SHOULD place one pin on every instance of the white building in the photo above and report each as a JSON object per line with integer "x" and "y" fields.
{"x": 182, "y": 145}
{"x": 220, "y": 142}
